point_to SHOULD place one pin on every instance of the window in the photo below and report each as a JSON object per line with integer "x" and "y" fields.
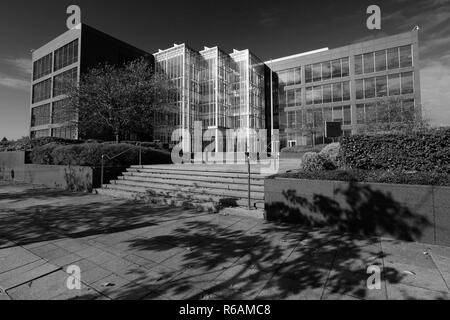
{"x": 371, "y": 113}
{"x": 359, "y": 89}
{"x": 369, "y": 63}
{"x": 381, "y": 86}
{"x": 358, "y": 64}
{"x": 327, "y": 114}
{"x": 308, "y": 74}
{"x": 42, "y": 91}
{"x": 317, "y": 72}
{"x": 347, "y": 115}
{"x": 382, "y": 113}
{"x": 380, "y": 60}
{"x": 407, "y": 83}
{"x": 369, "y": 89}
{"x": 327, "y": 95}
{"x": 405, "y": 57}
{"x": 66, "y": 55}
{"x": 291, "y": 98}
{"x": 345, "y": 67}
{"x": 408, "y": 108}
{"x": 360, "y": 114}
{"x": 346, "y": 91}
{"x": 393, "y": 59}
{"x": 338, "y": 114}
{"x": 42, "y": 67}
{"x": 337, "y": 92}
{"x": 291, "y": 119}
{"x": 60, "y": 112}
{"x": 290, "y": 77}
{"x": 337, "y": 71}
{"x": 64, "y": 133}
{"x": 394, "y": 84}
{"x": 309, "y": 95}
{"x": 40, "y": 115}
{"x": 40, "y": 134}
{"x": 298, "y": 75}
{"x": 326, "y": 70}
{"x": 298, "y": 97}
{"x": 62, "y": 81}
{"x": 318, "y": 95}
{"x": 299, "y": 119}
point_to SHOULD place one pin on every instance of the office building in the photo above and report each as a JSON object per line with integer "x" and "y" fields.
{"x": 65, "y": 59}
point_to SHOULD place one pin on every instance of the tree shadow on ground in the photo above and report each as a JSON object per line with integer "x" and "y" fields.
{"x": 327, "y": 255}
{"x": 52, "y": 215}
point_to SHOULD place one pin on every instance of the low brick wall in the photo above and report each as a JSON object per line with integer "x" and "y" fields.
{"x": 12, "y": 166}
{"x": 403, "y": 212}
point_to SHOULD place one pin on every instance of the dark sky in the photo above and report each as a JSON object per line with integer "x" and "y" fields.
{"x": 270, "y": 29}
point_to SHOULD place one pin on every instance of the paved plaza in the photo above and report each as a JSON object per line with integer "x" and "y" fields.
{"x": 134, "y": 250}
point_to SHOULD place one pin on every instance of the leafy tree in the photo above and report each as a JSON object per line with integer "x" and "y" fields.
{"x": 4, "y": 140}
{"x": 118, "y": 100}
{"x": 394, "y": 115}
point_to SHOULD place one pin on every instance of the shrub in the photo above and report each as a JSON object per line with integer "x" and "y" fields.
{"x": 90, "y": 154}
{"x": 314, "y": 162}
{"x": 332, "y": 152}
{"x": 421, "y": 151}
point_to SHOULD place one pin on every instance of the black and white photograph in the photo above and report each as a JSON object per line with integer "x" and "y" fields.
{"x": 220, "y": 157}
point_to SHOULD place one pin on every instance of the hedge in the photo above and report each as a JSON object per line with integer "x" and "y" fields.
{"x": 89, "y": 154}
{"x": 377, "y": 176}
{"x": 422, "y": 152}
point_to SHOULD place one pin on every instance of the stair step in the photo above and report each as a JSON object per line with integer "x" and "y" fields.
{"x": 207, "y": 191}
{"x": 196, "y": 177}
{"x": 186, "y": 183}
{"x": 201, "y": 206}
{"x": 217, "y": 174}
{"x": 211, "y": 202}
{"x": 228, "y": 169}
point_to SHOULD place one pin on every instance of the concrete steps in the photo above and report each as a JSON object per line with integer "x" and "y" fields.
{"x": 207, "y": 188}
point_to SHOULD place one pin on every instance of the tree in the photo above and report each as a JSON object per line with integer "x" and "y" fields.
{"x": 394, "y": 115}
{"x": 4, "y": 140}
{"x": 118, "y": 99}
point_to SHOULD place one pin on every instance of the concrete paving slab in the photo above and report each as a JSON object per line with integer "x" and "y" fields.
{"x": 14, "y": 258}
{"x": 27, "y": 273}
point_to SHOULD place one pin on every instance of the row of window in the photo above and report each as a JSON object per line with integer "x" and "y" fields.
{"x": 390, "y": 59}
{"x": 317, "y": 117}
{"x": 66, "y": 55}
{"x": 290, "y": 77}
{"x": 383, "y": 86}
{"x": 327, "y": 70}
{"x": 63, "y": 57}
{"x": 42, "y": 90}
{"x": 63, "y": 132}
{"x": 41, "y": 115}
{"x": 336, "y": 92}
{"x": 401, "y": 111}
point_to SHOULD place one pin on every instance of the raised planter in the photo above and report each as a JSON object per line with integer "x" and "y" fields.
{"x": 75, "y": 178}
{"x": 403, "y": 212}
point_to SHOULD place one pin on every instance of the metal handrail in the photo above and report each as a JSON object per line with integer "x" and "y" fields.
{"x": 116, "y": 156}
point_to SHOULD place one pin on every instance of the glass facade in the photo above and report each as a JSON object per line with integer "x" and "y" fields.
{"x": 383, "y": 86}
{"x": 42, "y": 67}
{"x": 223, "y": 91}
{"x": 66, "y": 55}
{"x": 385, "y": 113}
{"x": 63, "y": 80}
{"x": 40, "y": 134}
{"x": 64, "y": 133}
{"x": 40, "y": 115}
{"x": 42, "y": 91}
